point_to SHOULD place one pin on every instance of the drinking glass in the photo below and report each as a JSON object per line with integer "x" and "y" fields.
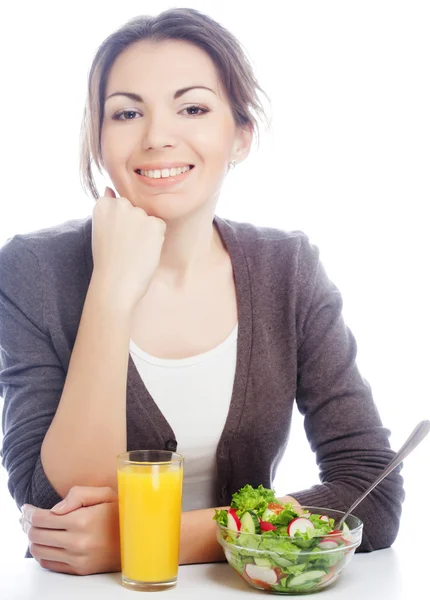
{"x": 150, "y": 505}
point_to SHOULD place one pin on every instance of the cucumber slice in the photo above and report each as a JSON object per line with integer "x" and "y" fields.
{"x": 282, "y": 562}
{"x": 305, "y": 578}
{"x": 262, "y": 562}
{"x": 268, "y": 515}
{"x": 250, "y": 523}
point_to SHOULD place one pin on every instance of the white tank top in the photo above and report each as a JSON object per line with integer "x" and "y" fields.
{"x": 194, "y": 395}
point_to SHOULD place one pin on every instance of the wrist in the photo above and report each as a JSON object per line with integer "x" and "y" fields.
{"x": 198, "y": 542}
{"x": 108, "y": 296}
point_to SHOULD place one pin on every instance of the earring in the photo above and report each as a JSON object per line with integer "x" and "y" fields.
{"x": 232, "y": 164}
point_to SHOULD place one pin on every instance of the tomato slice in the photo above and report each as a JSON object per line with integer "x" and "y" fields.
{"x": 275, "y": 507}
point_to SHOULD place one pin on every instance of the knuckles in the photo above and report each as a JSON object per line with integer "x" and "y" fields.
{"x": 73, "y": 495}
{"x": 34, "y": 518}
{"x": 81, "y": 547}
{"x": 82, "y": 522}
{"x": 159, "y": 223}
{"x": 106, "y": 205}
{"x": 109, "y": 493}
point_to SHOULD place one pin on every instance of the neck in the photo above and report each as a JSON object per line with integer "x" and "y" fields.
{"x": 191, "y": 247}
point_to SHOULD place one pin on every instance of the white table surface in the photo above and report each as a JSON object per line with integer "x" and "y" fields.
{"x": 392, "y": 574}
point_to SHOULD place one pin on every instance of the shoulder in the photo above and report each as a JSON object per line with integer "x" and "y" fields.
{"x": 60, "y": 244}
{"x": 269, "y": 244}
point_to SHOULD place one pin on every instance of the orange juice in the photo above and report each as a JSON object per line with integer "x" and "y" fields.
{"x": 150, "y": 498}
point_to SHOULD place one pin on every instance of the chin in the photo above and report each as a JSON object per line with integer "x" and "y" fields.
{"x": 171, "y": 208}
{"x": 169, "y": 214}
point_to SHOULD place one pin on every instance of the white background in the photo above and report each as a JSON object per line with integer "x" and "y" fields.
{"x": 346, "y": 161}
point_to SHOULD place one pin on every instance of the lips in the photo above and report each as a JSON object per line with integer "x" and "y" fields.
{"x": 163, "y": 182}
{"x": 160, "y": 167}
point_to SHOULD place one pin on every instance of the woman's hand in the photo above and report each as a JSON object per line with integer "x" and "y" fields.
{"x": 126, "y": 246}
{"x": 80, "y": 535}
{"x": 296, "y": 504}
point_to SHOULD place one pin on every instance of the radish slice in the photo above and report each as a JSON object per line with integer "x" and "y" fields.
{"x": 324, "y": 518}
{"x": 328, "y": 577}
{"x": 299, "y": 524}
{"x": 266, "y": 526}
{"x": 328, "y": 545}
{"x": 265, "y": 574}
{"x": 331, "y": 540}
{"x": 233, "y": 521}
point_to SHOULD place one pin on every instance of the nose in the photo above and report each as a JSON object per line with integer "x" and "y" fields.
{"x": 158, "y": 131}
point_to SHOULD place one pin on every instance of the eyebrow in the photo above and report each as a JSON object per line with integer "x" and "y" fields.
{"x": 176, "y": 95}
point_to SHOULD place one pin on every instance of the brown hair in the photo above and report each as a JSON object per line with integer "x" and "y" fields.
{"x": 187, "y": 24}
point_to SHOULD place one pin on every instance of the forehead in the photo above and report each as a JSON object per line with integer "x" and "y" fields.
{"x": 151, "y": 67}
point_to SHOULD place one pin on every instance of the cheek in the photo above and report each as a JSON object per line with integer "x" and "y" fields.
{"x": 214, "y": 143}
{"x": 116, "y": 146}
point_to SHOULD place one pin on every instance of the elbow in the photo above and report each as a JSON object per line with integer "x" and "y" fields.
{"x": 381, "y": 515}
{"x": 378, "y": 540}
{"x": 21, "y": 491}
{"x": 31, "y": 486}
{"x": 19, "y": 477}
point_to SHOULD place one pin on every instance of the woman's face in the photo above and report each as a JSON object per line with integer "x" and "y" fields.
{"x": 162, "y": 124}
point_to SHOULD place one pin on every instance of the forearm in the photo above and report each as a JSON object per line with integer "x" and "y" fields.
{"x": 198, "y": 537}
{"x": 89, "y": 427}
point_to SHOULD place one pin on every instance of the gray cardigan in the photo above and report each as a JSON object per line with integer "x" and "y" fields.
{"x": 292, "y": 345}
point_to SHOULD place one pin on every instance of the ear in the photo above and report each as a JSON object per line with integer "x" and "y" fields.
{"x": 243, "y": 142}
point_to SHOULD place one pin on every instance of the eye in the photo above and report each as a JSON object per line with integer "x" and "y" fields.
{"x": 195, "y": 107}
{"x": 117, "y": 116}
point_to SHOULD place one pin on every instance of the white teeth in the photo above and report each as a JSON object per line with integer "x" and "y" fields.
{"x": 163, "y": 173}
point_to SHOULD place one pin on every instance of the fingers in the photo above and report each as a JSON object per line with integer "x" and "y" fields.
{"x": 109, "y": 192}
{"x": 81, "y": 568}
{"x": 296, "y": 504}
{"x": 46, "y": 537}
{"x": 80, "y": 496}
{"x": 59, "y": 560}
{"x": 40, "y": 517}
{"x": 58, "y": 567}
{"x": 41, "y": 552}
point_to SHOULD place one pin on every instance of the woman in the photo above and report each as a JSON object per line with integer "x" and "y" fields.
{"x": 156, "y": 324}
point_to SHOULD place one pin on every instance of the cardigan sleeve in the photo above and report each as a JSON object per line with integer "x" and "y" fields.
{"x": 341, "y": 421}
{"x": 31, "y": 375}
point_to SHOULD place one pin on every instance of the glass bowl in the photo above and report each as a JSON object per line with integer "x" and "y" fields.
{"x": 291, "y": 565}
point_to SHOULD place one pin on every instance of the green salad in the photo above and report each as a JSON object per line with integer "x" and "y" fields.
{"x": 275, "y": 548}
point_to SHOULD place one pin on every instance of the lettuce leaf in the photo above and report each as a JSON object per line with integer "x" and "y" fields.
{"x": 249, "y": 498}
{"x": 220, "y": 517}
{"x": 284, "y": 517}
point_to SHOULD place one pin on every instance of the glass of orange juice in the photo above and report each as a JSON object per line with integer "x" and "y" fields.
{"x": 150, "y": 506}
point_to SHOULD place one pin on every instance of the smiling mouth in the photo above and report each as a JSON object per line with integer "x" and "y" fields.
{"x": 164, "y": 173}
